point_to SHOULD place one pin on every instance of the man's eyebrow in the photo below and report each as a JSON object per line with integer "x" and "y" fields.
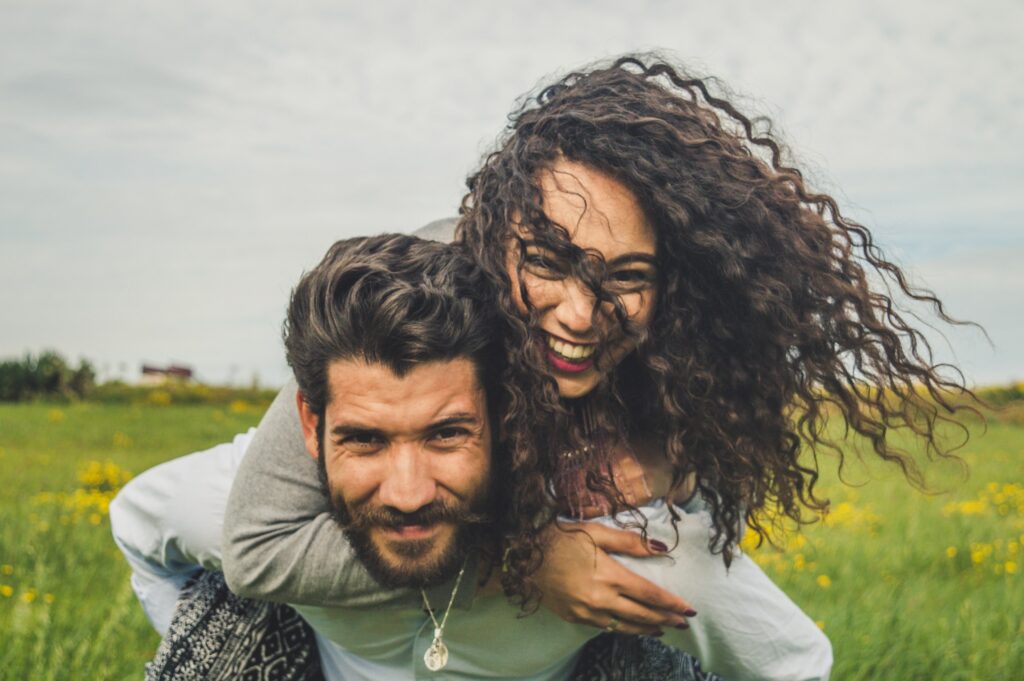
{"x": 461, "y": 418}
{"x": 345, "y": 429}
{"x": 464, "y": 418}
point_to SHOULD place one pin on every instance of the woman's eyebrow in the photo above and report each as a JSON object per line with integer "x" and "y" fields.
{"x": 633, "y": 257}
{"x": 636, "y": 256}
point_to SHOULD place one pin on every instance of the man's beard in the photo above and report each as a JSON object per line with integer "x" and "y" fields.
{"x": 471, "y": 520}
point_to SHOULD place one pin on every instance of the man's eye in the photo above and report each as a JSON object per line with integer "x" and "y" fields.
{"x": 450, "y": 435}
{"x": 362, "y": 441}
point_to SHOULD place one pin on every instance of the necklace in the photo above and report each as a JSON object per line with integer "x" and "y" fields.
{"x": 436, "y": 656}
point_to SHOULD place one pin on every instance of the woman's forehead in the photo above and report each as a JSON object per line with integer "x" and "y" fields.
{"x": 597, "y": 212}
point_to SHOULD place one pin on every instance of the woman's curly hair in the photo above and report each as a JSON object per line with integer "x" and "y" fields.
{"x": 769, "y": 316}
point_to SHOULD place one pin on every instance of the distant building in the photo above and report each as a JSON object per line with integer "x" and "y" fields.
{"x": 152, "y": 375}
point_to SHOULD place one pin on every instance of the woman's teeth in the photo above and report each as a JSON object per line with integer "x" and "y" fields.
{"x": 571, "y": 351}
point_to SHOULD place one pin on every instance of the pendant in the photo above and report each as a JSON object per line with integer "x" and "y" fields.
{"x": 436, "y": 656}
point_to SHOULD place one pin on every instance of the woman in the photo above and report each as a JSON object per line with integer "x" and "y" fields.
{"x": 682, "y": 293}
{"x": 687, "y": 314}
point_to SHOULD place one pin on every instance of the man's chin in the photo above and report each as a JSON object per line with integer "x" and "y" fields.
{"x": 421, "y": 560}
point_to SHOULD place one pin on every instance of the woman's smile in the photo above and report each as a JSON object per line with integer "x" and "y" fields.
{"x": 569, "y": 357}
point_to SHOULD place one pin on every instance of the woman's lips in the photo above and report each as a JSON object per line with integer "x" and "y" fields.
{"x": 582, "y": 361}
{"x": 566, "y": 366}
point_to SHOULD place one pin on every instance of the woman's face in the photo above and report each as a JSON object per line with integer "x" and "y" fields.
{"x": 601, "y": 216}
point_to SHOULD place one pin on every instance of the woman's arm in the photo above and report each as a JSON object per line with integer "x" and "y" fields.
{"x": 747, "y": 628}
{"x": 280, "y": 540}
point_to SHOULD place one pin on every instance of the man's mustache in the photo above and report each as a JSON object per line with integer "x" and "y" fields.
{"x": 436, "y": 512}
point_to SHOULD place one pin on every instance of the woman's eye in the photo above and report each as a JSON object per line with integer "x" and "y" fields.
{"x": 630, "y": 280}
{"x": 544, "y": 266}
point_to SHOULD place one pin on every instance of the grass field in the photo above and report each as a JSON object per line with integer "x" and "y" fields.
{"x": 908, "y": 586}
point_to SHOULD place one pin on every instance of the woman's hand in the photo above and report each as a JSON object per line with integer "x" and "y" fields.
{"x": 630, "y": 479}
{"x": 581, "y": 583}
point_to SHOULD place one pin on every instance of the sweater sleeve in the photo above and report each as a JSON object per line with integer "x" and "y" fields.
{"x": 280, "y": 540}
{"x": 167, "y": 523}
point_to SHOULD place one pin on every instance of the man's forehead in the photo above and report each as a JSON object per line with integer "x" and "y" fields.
{"x": 372, "y": 395}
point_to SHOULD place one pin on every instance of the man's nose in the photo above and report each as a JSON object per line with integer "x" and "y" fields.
{"x": 408, "y": 484}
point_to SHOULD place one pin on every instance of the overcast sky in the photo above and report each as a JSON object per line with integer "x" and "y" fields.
{"x": 168, "y": 169}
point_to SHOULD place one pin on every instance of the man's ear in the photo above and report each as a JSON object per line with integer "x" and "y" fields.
{"x": 309, "y": 421}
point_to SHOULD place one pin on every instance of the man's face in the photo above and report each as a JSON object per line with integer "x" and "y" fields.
{"x": 406, "y": 461}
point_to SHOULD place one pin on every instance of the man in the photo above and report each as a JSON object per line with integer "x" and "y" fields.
{"x": 394, "y": 348}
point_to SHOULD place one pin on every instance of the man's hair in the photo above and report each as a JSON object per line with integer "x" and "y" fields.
{"x": 394, "y": 300}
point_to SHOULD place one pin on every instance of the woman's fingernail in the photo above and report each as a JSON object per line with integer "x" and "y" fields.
{"x": 690, "y": 612}
{"x": 658, "y": 546}
{"x": 682, "y": 625}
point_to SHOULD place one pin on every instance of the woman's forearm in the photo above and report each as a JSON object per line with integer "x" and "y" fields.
{"x": 281, "y": 542}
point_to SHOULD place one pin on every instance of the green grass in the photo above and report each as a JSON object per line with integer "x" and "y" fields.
{"x": 916, "y": 586}
{"x": 895, "y": 603}
{"x": 66, "y": 608}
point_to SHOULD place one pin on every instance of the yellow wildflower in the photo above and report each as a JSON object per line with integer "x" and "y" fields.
{"x": 1011, "y": 567}
{"x": 159, "y": 398}
{"x": 48, "y": 598}
{"x": 820, "y": 624}
{"x": 29, "y": 596}
{"x": 951, "y": 551}
{"x": 122, "y": 441}
{"x": 6, "y": 591}
{"x": 824, "y": 581}
{"x": 7, "y": 569}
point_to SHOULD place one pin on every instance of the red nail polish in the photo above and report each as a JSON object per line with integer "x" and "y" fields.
{"x": 690, "y": 613}
{"x": 682, "y": 625}
{"x": 658, "y": 546}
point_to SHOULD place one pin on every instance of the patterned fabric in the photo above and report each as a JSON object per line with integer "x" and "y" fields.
{"x": 217, "y": 636}
{"x": 621, "y": 657}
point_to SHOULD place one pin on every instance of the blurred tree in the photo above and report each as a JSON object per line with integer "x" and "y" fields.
{"x": 52, "y": 375}
{"x": 83, "y": 380}
{"x": 47, "y": 375}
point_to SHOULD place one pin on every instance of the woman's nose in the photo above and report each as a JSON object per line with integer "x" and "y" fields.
{"x": 575, "y": 309}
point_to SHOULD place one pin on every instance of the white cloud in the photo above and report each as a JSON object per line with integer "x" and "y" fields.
{"x": 166, "y": 170}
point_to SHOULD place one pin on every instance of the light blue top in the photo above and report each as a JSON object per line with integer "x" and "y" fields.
{"x": 167, "y": 521}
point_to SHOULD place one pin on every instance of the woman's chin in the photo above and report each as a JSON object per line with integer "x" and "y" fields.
{"x": 572, "y": 386}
